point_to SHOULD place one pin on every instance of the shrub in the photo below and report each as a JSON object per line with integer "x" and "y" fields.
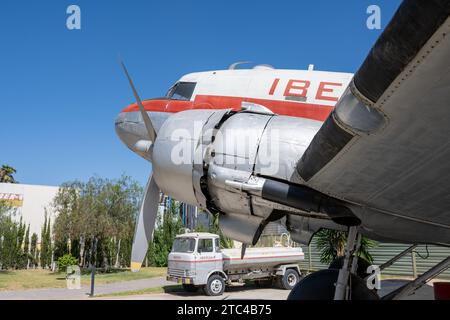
{"x": 65, "y": 261}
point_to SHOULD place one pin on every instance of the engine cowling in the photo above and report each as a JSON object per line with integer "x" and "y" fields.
{"x": 174, "y": 150}
{"x": 201, "y": 156}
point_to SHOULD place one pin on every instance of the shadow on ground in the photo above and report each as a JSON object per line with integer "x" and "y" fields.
{"x": 426, "y": 292}
{"x": 177, "y": 290}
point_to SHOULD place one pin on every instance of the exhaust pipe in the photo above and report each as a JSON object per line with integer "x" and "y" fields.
{"x": 298, "y": 197}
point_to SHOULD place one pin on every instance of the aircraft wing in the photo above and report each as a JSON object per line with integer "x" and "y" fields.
{"x": 386, "y": 145}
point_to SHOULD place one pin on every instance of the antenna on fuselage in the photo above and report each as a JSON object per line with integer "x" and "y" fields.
{"x": 234, "y": 65}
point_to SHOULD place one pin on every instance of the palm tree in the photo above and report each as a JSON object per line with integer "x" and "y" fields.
{"x": 6, "y": 174}
{"x": 225, "y": 242}
{"x": 331, "y": 244}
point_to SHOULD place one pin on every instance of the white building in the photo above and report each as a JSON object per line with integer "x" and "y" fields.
{"x": 31, "y": 202}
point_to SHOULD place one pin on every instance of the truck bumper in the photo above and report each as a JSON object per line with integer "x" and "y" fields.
{"x": 182, "y": 280}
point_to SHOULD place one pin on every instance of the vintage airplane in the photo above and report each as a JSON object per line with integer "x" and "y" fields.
{"x": 368, "y": 153}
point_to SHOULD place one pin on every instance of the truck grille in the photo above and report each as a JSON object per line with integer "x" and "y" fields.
{"x": 176, "y": 272}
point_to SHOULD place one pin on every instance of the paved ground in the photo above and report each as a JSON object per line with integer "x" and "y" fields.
{"x": 83, "y": 293}
{"x": 235, "y": 292}
{"x": 426, "y": 292}
{"x": 243, "y": 292}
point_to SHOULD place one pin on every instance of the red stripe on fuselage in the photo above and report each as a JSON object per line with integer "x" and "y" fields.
{"x": 160, "y": 105}
{"x": 286, "y": 108}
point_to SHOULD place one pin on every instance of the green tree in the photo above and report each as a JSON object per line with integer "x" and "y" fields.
{"x": 20, "y": 255}
{"x": 99, "y": 209}
{"x": 33, "y": 250}
{"x": 168, "y": 226}
{"x": 26, "y": 246}
{"x": 68, "y": 225}
{"x": 66, "y": 261}
{"x": 48, "y": 242}
{"x": 9, "y": 249}
{"x": 331, "y": 244}
{"x": 10, "y": 237}
{"x": 44, "y": 244}
{"x": 20, "y": 234}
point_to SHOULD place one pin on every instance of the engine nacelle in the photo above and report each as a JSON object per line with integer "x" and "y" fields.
{"x": 173, "y": 153}
{"x": 199, "y": 154}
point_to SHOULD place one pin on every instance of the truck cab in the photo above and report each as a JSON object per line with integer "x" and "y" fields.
{"x": 196, "y": 260}
{"x": 194, "y": 257}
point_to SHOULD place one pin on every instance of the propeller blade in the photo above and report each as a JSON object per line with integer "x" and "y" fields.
{"x": 145, "y": 224}
{"x": 147, "y": 121}
{"x": 243, "y": 249}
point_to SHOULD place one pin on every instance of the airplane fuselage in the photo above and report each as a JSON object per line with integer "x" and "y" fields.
{"x": 297, "y": 93}
{"x": 304, "y": 94}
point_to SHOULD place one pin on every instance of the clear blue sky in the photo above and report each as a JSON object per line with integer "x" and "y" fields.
{"x": 61, "y": 90}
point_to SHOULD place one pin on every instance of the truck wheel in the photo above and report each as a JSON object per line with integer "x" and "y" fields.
{"x": 321, "y": 285}
{"x": 190, "y": 288}
{"x": 215, "y": 286}
{"x": 290, "y": 279}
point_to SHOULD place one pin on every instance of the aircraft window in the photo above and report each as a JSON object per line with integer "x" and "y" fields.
{"x": 181, "y": 91}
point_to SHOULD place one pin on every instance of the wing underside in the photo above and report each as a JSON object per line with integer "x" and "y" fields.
{"x": 386, "y": 146}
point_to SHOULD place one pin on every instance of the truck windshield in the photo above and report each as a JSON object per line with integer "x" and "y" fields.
{"x": 184, "y": 245}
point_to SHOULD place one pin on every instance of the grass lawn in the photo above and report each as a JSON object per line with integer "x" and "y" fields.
{"x": 34, "y": 279}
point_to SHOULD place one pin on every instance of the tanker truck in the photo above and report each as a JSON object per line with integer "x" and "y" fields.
{"x": 197, "y": 261}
